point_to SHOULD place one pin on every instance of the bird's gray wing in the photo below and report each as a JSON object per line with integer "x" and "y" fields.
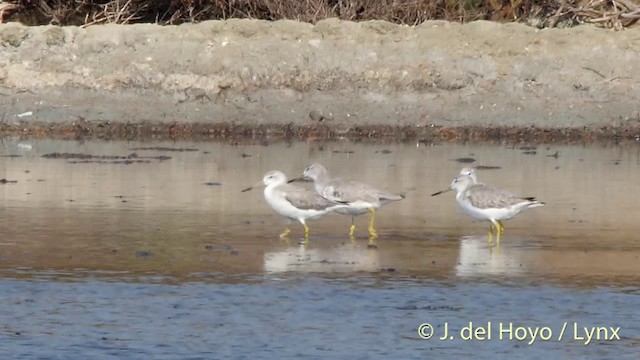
{"x": 485, "y": 197}
{"x": 305, "y": 199}
{"x": 350, "y": 191}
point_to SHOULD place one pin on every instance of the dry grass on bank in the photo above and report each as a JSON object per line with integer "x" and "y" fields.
{"x": 616, "y": 14}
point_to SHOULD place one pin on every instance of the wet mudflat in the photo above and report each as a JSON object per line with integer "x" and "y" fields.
{"x": 166, "y": 258}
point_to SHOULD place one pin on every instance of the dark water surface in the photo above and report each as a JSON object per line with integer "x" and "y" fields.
{"x": 167, "y": 259}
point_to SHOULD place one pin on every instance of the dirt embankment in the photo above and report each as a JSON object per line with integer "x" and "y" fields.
{"x": 249, "y": 78}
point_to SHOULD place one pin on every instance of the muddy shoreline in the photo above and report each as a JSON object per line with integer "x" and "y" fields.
{"x": 249, "y": 80}
{"x": 265, "y": 134}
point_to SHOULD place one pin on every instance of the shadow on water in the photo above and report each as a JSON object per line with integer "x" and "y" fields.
{"x": 95, "y": 252}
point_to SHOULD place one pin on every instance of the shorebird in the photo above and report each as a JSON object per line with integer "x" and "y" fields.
{"x": 361, "y": 198}
{"x": 484, "y": 202}
{"x": 293, "y": 202}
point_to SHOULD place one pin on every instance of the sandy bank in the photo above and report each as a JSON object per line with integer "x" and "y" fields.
{"x": 342, "y": 75}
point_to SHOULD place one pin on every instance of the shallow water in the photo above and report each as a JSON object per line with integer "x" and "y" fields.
{"x": 168, "y": 259}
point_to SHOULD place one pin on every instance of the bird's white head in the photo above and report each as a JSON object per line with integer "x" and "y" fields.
{"x": 315, "y": 172}
{"x": 471, "y": 172}
{"x": 274, "y": 177}
{"x": 461, "y": 183}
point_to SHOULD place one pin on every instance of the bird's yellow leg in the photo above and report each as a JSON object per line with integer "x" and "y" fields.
{"x": 495, "y": 251}
{"x": 372, "y": 229}
{"x": 352, "y": 229}
{"x": 305, "y": 241}
{"x": 285, "y": 233}
{"x": 501, "y": 227}
{"x": 490, "y": 240}
{"x": 499, "y": 230}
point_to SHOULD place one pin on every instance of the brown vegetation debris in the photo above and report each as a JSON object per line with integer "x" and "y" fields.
{"x": 234, "y": 134}
{"x": 615, "y": 14}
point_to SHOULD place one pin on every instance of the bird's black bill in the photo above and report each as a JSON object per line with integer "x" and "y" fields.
{"x": 252, "y": 187}
{"x": 440, "y": 192}
{"x": 298, "y": 179}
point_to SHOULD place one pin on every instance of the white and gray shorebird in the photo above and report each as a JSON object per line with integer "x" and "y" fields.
{"x": 293, "y": 202}
{"x": 361, "y": 198}
{"x": 485, "y": 202}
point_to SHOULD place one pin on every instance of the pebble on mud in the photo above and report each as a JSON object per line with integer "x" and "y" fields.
{"x": 219, "y": 247}
{"x": 318, "y": 116}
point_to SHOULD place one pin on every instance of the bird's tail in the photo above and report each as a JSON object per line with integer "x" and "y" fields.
{"x": 533, "y": 202}
{"x": 392, "y": 197}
